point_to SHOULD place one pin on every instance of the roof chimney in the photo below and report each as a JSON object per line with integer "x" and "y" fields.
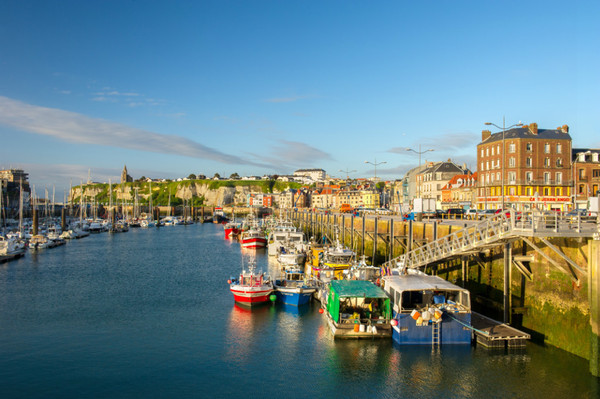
{"x": 565, "y": 128}
{"x": 533, "y": 128}
{"x": 485, "y": 134}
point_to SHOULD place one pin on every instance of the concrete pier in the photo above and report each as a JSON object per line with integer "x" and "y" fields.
{"x": 594, "y": 295}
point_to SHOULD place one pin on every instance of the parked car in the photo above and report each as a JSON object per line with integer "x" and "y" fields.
{"x": 408, "y": 216}
{"x": 507, "y": 213}
{"x": 485, "y": 213}
{"x": 455, "y": 213}
{"x": 584, "y": 214}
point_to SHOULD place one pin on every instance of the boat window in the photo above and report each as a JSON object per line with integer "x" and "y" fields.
{"x": 412, "y": 299}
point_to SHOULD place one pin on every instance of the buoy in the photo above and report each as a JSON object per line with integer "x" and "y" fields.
{"x": 394, "y": 322}
{"x": 273, "y": 297}
{"x": 228, "y": 281}
{"x": 321, "y": 310}
{"x": 415, "y": 314}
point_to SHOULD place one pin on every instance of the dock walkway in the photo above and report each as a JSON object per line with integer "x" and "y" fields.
{"x": 493, "y": 334}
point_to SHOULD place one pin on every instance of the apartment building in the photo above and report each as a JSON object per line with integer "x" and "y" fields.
{"x": 532, "y": 166}
{"x": 586, "y": 169}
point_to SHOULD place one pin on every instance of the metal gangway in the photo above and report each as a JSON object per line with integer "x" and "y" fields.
{"x": 498, "y": 229}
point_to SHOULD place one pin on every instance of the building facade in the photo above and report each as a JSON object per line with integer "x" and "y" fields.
{"x": 525, "y": 168}
{"x": 434, "y": 177}
{"x": 586, "y": 170}
{"x": 313, "y": 174}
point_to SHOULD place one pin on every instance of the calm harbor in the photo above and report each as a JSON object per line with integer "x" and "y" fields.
{"x": 149, "y": 314}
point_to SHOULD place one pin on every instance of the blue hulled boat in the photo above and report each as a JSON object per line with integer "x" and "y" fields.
{"x": 428, "y": 309}
{"x": 292, "y": 289}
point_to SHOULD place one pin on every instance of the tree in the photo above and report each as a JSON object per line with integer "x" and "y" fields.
{"x": 192, "y": 176}
{"x": 234, "y": 176}
{"x": 217, "y": 176}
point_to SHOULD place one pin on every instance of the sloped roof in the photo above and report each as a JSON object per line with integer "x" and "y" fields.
{"x": 357, "y": 288}
{"x": 525, "y": 133}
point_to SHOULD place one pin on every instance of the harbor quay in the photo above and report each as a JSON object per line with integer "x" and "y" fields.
{"x": 539, "y": 275}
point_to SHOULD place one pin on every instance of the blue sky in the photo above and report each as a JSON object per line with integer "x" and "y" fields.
{"x": 268, "y": 87}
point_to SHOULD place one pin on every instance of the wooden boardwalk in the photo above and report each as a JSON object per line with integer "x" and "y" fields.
{"x": 493, "y": 334}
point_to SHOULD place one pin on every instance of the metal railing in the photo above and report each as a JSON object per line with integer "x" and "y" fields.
{"x": 494, "y": 229}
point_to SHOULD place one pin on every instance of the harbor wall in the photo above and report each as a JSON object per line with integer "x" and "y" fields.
{"x": 549, "y": 304}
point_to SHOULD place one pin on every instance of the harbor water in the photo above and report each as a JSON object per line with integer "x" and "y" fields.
{"x": 148, "y": 314}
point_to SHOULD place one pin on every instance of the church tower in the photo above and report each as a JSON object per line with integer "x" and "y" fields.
{"x": 125, "y": 178}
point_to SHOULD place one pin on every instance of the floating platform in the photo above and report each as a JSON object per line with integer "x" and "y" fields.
{"x": 492, "y": 334}
{"x": 7, "y": 258}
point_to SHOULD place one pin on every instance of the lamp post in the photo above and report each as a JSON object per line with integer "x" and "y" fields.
{"x": 419, "y": 169}
{"x": 347, "y": 172}
{"x": 375, "y": 164}
{"x": 503, "y": 148}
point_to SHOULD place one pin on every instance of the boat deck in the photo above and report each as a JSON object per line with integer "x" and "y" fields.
{"x": 382, "y": 331}
{"x": 494, "y": 334}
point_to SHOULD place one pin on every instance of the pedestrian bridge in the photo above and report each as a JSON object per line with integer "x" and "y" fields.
{"x": 500, "y": 229}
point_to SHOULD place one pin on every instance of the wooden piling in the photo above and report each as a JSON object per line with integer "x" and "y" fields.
{"x": 507, "y": 280}
{"x": 594, "y": 298}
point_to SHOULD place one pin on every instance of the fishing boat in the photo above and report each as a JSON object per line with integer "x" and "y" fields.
{"x": 428, "y": 309}
{"x": 285, "y": 233}
{"x": 290, "y": 256}
{"x": 358, "y": 309}
{"x": 252, "y": 236}
{"x": 232, "y": 229}
{"x": 331, "y": 261}
{"x": 251, "y": 288}
{"x": 293, "y": 289}
{"x": 360, "y": 270}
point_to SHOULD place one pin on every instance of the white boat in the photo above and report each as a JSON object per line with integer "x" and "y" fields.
{"x": 286, "y": 235}
{"x": 290, "y": 256}
{"x": 251, "y": 288}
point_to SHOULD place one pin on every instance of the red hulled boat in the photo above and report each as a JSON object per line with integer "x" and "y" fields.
{"x": 251, "y": 288}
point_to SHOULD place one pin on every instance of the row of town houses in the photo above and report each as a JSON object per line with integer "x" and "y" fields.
{"x": 523, "y": 168}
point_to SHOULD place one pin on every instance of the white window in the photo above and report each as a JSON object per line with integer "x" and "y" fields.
{"x": 546, "y": 161}
{"x": 529, "y": 176}
{"x": 498, "y": 176}
{"x": 487, "y": 165}
{"x": 529, "y": 162}
{"x": 559, "y": 148}
{"x": 492, "y": 178}
{"x": 487, "y": 152}
{"x": 547, "y": 148}
{"x": 512, "y": 148}
{"x": 512, "y": 162}
{"x": 498, "y": 149}
{"x": 482, "y": 153}
{"x": 529, "y": 147}
{"x": 492, "y": 151}
{"x": 482, "y": 166}
{"x": 559, "y": 163}
{"x": 558, "y": 177}
{"x": 512, "y": 177}
{"x": 546, "y": 177}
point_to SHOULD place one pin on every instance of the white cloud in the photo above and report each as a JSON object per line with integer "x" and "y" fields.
{"x": 78, "y": 128}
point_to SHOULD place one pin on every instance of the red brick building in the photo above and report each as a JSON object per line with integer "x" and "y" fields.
{"x": 533, "y": 165}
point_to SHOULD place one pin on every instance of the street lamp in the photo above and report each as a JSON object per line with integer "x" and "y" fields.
{"x": 503, "y": 148}
{"x": 419, "y": 169}
{"x": 375, "y": 164}
{"x": 347, "y": 173}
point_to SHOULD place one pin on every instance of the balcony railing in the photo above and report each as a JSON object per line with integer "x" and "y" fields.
{"x": 525, "y": 182}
